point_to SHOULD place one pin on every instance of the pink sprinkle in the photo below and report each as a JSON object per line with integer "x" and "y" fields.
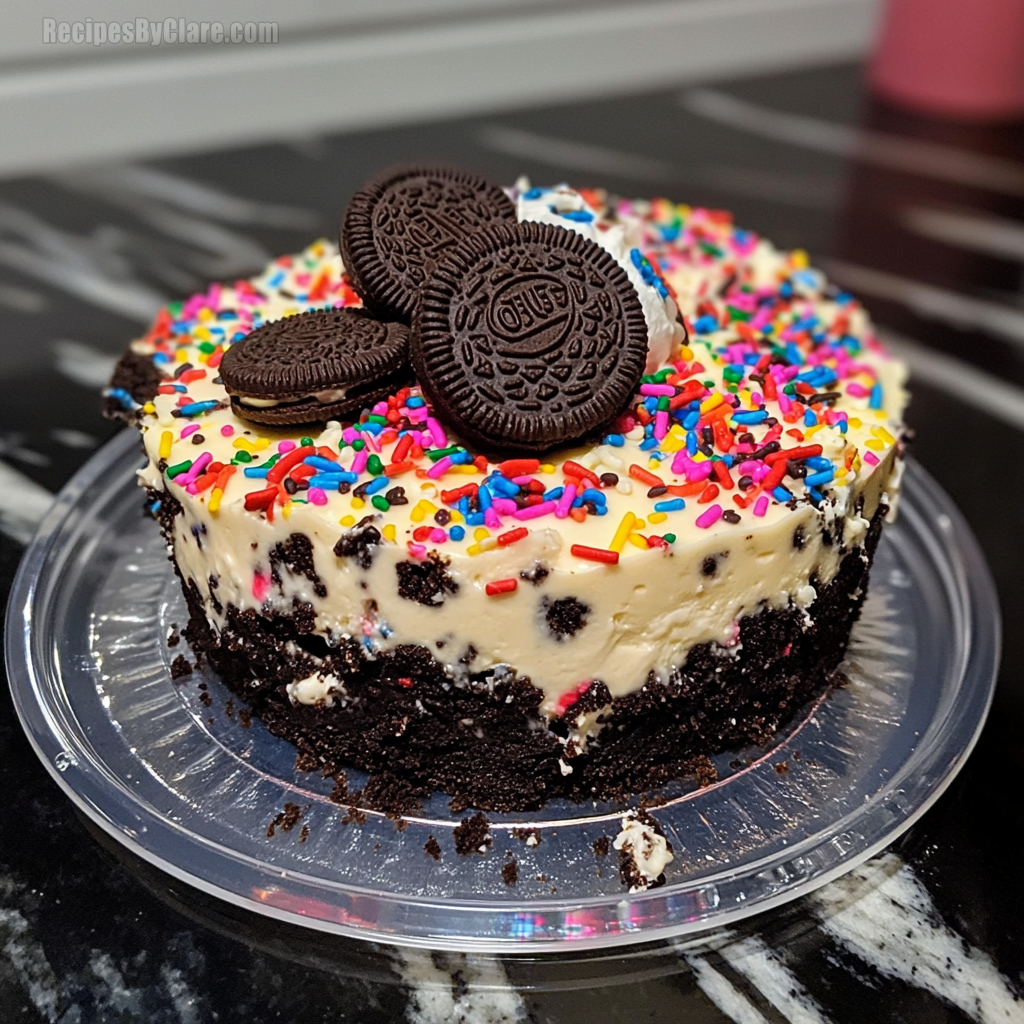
{"x": 227, "y": 430}
{"x": 349, "y": 434}
{"x": 189, "y": 430}
{"x": 418, "y": 415}
{"x": 438, "y": 536}
{"x": 761, "y": 506}
{"x": 536, "y": 511}
{"x": 661, "y": 424}
{"x": 565, "y": 501}
{"x": 857, "y": 390}
{"x": 694, "y": 471}
{"x": 260, "y": 586}
{"x": 439, "y": 468}
{"x": 380, "y": 409}
{"x": 359, "y": 462}
{"x": 285, "y": 446}
{"x": 437, "y": 433}
{"x": 785, "y": 403}
{"x": 316, "y": 496}
{"x": 709, "y": 517}
{"x": 657, "y": 390}
{"x": 417, "y": 550}
{"x": 192, "y": 488}
{"x": 521, "y": 481}
{"x": 504, "y": 506}
{"x": 871, "y": 458}
{"x": 195, "y": 469}
{"x": 491, "y": 519}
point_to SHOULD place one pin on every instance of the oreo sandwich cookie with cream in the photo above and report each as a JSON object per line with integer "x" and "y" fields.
{"x": 404, "y": 221}
{"x": 529, "y": 336}
{"x": 321, "y": 365}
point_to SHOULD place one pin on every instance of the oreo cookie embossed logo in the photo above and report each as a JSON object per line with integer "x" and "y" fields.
{"x": 530, "y": 315}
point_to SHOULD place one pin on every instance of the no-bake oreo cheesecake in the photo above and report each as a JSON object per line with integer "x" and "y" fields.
{"x": 543, "y": 494}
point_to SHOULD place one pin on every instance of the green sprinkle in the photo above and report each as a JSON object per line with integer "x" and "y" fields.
{"x": 663, "y": 405}
{"x": 708, "y": 383}
{"x": 175, "y": 309}
{"x": 440, "y": 453}
{"x": 670, "y": 538}
{"x": 206, "y": 346}
{"x": 181, "y": 467}
{"x": 733, "y": 376}
{"x": 380, "y": 502}
{"x": 663, "y": 375}
{"x": 358, "y": 444}
{"x": 242, "y": 456}
{"x": 790, "y": 389}
{"x": 374, "y": 466}
{"x": 732, "y": 388}
{"x": 305, "y": 442}
{"x": 373, "y": 418}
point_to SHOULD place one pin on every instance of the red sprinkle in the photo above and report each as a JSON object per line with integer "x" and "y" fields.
{"x": 807, "y": 451}
{"x": 595, "y": 554}
{"x": 708, "y": 494}
{"x": 502, "y": 587}
{"x": 519, "y": 467}
{"x": 404, "y": 681}
{"x": 402, "y": 448}
{"x": 280, "y": 468}
{"x": 571, "y": 468}
{"x": 722, "y": 475}
{"x": 504, "y": 539}
{"x": 645, "y": 477}
{"x": 257, "y": 500}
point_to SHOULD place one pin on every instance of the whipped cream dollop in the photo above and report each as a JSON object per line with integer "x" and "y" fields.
{"x": 566, "y": 208}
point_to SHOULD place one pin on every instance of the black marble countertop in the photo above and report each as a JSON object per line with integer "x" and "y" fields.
{"x": 924, "y": 220}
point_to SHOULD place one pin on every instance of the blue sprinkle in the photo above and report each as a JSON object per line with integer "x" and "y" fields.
{"x": 817, "y": 479}
{"x": 819, "y": 462}
{"x": 591, "y": 494}
{"x": 462, "y": 458}
{"x": 705, "y": 324}
{"x": 456, "y": 533}
{"x": 475, "y": 519}
{"x": 533, "y": 193}
{"x": 816, "y": 496}
{"x": 370, "y": 428}
{"x": 672, "y": 505}
{"x": 750, "y": 417}
{"x": 691, "y": 444}
{"x": 505, "y": 488}
{"x": 781, "y": 495}
{"x": 126, "y": 401}
{"x": 842, "y": 426}
{"x": 196, "y": 408}
{"x": 319, "y": 462}
{"x": 646, "y": 446}
{"x": 875, "y": 401}
{"x": 377, "y": 484}
{"x": 691, "y": 419}
{"x": 554, "y": 494}
{"x": 463, "y": 506}
{"x": 602, "y": 510}
{"x": 615, "y": 440}
{"x": 414, "y": 402}
{"x": 810, "y": 419}
{"x": 256, "y": 472}
{"x": 793, "y": 354}
{"x": 483, "y": 497}
{"x": 238, "y": 336}
{"x": 580, "y": 216}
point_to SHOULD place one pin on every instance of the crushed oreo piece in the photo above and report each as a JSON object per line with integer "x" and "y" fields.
{"x": 425, "y": 582}
{"x": 565, "y": 617}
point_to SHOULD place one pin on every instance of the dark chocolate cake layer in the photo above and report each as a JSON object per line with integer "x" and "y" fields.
{"x": 403, "y": 719}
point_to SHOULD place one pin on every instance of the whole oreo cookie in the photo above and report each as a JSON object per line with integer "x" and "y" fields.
{"x": 529, "y": 336}
{"x": 321, "y": 365}
{"x": 403, "y": 222}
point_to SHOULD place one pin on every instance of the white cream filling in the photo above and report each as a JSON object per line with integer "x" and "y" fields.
{"x": 325, "y": 397}
{"x": 648, "y": 850}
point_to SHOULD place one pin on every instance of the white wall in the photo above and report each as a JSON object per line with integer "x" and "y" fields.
{"x": 332, "y": 69}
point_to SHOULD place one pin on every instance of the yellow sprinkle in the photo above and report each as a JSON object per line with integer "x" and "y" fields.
{"x": 419, "y": 513}
{"x": 640, "y": 524}
{"x": 622, "y": 532}
{"x": 638, "y": 541}
{"x": 487, "y": 544}
{"x": 347, "y": 520}
{"x": 389, "y": 532}
{"x": 181, "y": 356}
{"x": 286, "y": 510}
{"x": 463, "y": 469}
{"x": 473, "y": 549}
{"x": 429, "y": 486}
{"x": 481, "y": 532}
{"x": 166, "y": 440}
{"x": 799, "y": 259}
{"x": 547, "y": 467}
{"x": 215, "y": 497}
{"x": 657, "y": 517}
{"x": 201, "y": 333}
{"x": 685, "y": 352}
{"x": 855, "y": 423}
{"x": 874, "y": 445}
{"x": 883, "y": 435}
{"x": 149, "y": 408}
{"x": 206, "y": 313}
{"x": 677, "y": 431}
{"x": 672, "y": 443}
{"x": 810, "y": 431}
{"x": 711, "y": 403}
{"x": 251, "y": 446}
{"x": 653, "y": 464}
{"x": 456, "y": 516}
{"x": 856, "y": 464}
{"x": 358, "y": 503}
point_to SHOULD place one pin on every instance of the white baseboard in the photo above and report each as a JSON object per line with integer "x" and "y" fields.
{"x": 162, "y": 102}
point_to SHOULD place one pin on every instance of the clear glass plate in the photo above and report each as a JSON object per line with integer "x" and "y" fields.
{"x": 169, "y": 770}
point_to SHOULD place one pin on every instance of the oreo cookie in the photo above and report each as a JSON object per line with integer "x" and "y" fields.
{"x": 403, "y": 222}
{"x": 321, "y": 365}
{"x": 529, "y": 336}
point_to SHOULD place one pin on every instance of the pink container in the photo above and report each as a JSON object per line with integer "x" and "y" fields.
{"x": 952, "y": 58}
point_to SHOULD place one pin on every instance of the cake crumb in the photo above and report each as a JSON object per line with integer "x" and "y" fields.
{"x": 530, "y": 836}
{"x": 180, "y": 667}
{"x": 473, "y": 835}
{"x": 286, "y": 820}
{"x": 174, "y": 637}
{"x": 432, "y": 848}
{"x": 601, "y": 846}
{"x": 644, "y": 852}
{"x": 510, "y": 872}
{"x": 782, "y": 767}
{"x": 304, "y": 834}
{"x": 245, "y": 718}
